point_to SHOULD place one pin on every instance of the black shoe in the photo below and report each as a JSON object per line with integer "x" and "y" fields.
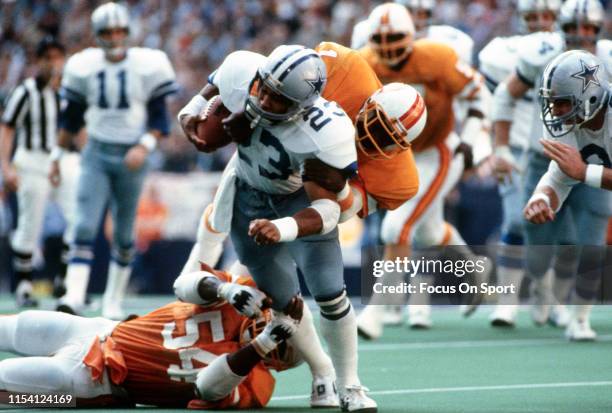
{"x": 59, "y": 288}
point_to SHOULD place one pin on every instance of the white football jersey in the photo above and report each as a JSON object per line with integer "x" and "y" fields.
{"x": 594, "y": 146}
{"x": 360, "y": 35}
{"x": 498, "y": 60}
{"x": 116, "y": 94}
{"x": 535, "y": 52}
{"x": 271, "y": 161}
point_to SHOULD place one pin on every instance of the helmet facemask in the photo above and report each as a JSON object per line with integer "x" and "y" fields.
{"x": 113, "y": 50}
{"x": 575, "y": 40}
{"x": 260, "y": 116}
{"x": 391, "y": 48}
{"x": 578, "y": 113}
{"x": 379, "y": 136}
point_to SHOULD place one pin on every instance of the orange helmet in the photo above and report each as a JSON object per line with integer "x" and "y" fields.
{"x": 284, "y": 357}
{"x": 391, "y": 32}
{"x": 390, "y": 120}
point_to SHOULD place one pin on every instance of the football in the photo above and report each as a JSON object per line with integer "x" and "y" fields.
{"x": 210, "y": 130}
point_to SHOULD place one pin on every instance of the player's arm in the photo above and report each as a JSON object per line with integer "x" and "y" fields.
{"x": 15, "y": 110}
{"x": 189, "y": 116}
{"x": 548, "y": 197}
{"x": 204, "y": 288}
{"x": 7, "y": 137}
{"x": 217, "y": 381}
{"x": 320, "y": 217}
{"x": 571, "y": 164}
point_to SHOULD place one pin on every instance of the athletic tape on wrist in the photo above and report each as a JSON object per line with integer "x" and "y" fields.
{"x": 594, "y": 175}
{"x": 287, "y": 227}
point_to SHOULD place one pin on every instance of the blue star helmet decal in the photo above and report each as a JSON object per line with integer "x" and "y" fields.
{"x": 317, "y": 84}
{"x": 588, "y": 75}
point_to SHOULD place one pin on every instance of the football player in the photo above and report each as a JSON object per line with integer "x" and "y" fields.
{"x": 581, "y": 22}
{"x": 436, "y": 71}
{"x": 497, "y": 59}
{"x": 422, "y": 16}
{"x": 119, "y": 93}
{"x": 30, "y": 121}
{"x": 577, "y": 115}
{"x": 203, "y": 352}
{"x": 278, "y": 220}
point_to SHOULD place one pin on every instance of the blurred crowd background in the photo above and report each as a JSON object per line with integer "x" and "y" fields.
{"x": 197, "y": 35}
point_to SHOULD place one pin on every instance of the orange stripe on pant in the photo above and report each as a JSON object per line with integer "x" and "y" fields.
{"x": 430, "y": 195}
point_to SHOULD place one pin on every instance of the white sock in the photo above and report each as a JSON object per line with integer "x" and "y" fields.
{"x": 8, "y": 329}
{"x": 507, "y": 276}
{"x": 116, "y": 284}
{"x": 208, "y": 246}
{"x": 307, "y": 341}
{"x": 77, "y": 279}
{"x": 217, "y": 380}
{"x": 341, "y": 337}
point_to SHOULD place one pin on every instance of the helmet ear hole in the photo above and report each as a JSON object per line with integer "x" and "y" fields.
{"x": 592, "y": 100}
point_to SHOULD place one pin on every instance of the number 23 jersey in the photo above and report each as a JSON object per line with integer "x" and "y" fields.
{"x": 116, "y": 94}
{"x": 271, "y": 159}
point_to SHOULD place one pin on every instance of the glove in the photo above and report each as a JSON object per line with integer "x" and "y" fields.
{"x": 281, "y": 328}
{"x": 246, "y": 300}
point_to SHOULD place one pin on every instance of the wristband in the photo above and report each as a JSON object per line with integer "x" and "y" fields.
{"x": 594, "y": 175}
{"x": 194, "y": 107}
{"x": 264, "y": 344}
{"x": 287, "y": 227}
{"x": 57, "y": 153}
{"x": 540, "y": 196}
{"x": 148, "y": 141}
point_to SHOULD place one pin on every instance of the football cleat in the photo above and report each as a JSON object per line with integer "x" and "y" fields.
{"x": 559, "y": 316}
{"x": 324, "y": 393}
{"x": 354, "y": 399}
{"x": 393, "y": 315}
{"x": 580, "y": 330}
{"x": 504, "y": 315}
{"x": 23, "y": 295}
{"x": 419, "y": 317}
{"x": 59, "y": 288}
{"x": 369, "y": 322}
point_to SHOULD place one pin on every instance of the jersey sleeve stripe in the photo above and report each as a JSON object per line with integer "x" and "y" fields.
{"x": 15, "y": 106}
{"x": 524, "y": 79}
{"x": 164, "y": 89}
{"x": 73, "y": 95}
{"x": 211, "y": 78}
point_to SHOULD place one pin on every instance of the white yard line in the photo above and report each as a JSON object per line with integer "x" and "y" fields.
{"x": 470, "y": 388}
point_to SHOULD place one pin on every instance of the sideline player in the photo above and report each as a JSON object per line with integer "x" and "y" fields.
{"x": 119, "y": 93}
{"x": 497, "y": 60}
{"x": 437, "y": 73}
{"x": 30, "y": 120}
{"x": 581, "y": 23}
{"x": 577, "y": 115}
{"x": 282, "y": 124}
{"x": 203, "y": 352}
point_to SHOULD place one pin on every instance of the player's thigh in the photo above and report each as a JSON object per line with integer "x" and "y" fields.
{"x": 591, "y": 209}
{"x": 32, "y": 195}
{"x": 93, "y": 193}
{"x": 320, "y": 261}
{"x": 126, "y": 188}
{"x": 66, "y": 193}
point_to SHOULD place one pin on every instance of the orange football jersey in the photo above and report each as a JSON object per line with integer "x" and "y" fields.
{"x": 156, "y": 357}
{"x": 436, "y": 72}
{"x": 350, "y": 82}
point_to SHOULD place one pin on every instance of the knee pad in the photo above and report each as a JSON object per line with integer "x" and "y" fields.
{"x": 334, "y": 307}
{"x": 428, "y": 235}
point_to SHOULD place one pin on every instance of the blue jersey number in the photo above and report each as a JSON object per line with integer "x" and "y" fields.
{"x": 123, "y": 101}
{"x": 598, "y": 151}
{"x": 545, "y": 48}
{"x": 317, "y": 121}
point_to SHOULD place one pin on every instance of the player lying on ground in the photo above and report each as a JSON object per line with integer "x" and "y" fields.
{"x": 200, "y": 352}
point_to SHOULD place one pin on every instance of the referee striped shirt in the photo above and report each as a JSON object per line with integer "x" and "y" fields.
{"x": 32, "y": 110}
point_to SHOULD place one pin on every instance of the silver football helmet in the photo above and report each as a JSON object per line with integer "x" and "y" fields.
{"x": 294, "y": 72}
{"x": 574, "y": 88}
{"x": 527, "y": 7}
{"x": 110, "y": 16}
{"x": 580, "y": 12}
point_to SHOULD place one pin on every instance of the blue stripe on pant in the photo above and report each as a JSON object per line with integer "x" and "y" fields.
{"x": 104, "y": 181}
{"x": 274, "y": 267}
